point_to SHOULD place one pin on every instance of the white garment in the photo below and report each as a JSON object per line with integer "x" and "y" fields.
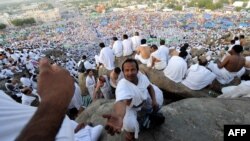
{"x": 27, "y": 100}
{"x": 90, "y": 84}
{"x": 138, "y": 93}
{"x": 117, "y": 48}
{"x": 237, "y": 42}
{"x": 15, "y": 116}
{"x": 136, "y": 41}
{"x": 89, "y": 133}
{"x": 87, "y": 64}
{"x": 198, "y": 77}
{"x": 158, "y": 96}
{"x": 158, "y": 65}
{"x": 25, "y": 81}
{"x": 242, "y": 90}
{"x": 127, "y": 47}
{"x": 76, "y": 100}
{"x": 223, "y": 75}
{"x": 142, "y": 60}
{"x": 164, "y": 52}
{"x": 176, "y": 69}
{"x": 107, "y": 58}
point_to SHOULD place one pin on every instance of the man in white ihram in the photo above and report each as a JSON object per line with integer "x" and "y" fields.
{"x": 131, "y": 93}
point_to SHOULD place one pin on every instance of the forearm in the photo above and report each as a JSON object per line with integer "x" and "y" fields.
{"x": 152, "y": 93}
{"x": 45, "y": 123}
{"x": 120, "y": 108}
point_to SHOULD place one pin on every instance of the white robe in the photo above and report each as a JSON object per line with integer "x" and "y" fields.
{"x": 164, "y": 51}
{"x": 26, "y": 81}
{"x": 90, "y": 84}
{"x": 142, "y": 60}
{"x": 242, "y": 90}
{"x": 138, "y": 93}
{"x": 158, "y": 65}
{"x": 27, "y": 100}
{"x": 76, "y": 100}
{"x": 117, "y": 48}
{"x": 127, "y": 47}
{"x": 176, "y": 69}
{"x": 136, "y": 41}
{"x": 15, "y": 116}
{"x": 198, "y": 77}
{"x": 223, "y": 75}
{"x": 107, "y": 58}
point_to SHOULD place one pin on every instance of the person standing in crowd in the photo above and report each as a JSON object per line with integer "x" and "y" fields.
{"x": 136, "y": 40}
{"x": 127, "y": 46}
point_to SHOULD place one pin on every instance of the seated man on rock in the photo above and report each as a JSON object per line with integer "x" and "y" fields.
{"x": 134, "y": 94}
{"x": 232, "y": 66}
{"x": 177, "y": 66}
{"x": 143, "y": 52}
{"x": 242, "y": 90}
{"x": 104, "y": 87}
{"x": 157, "y": 60}
{"x": 198, "y": 76}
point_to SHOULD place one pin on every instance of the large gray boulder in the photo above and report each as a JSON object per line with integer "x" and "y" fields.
{"x": 190, "y": 119}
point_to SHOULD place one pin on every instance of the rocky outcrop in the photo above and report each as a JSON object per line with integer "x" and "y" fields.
{"x": 190, "y": 119}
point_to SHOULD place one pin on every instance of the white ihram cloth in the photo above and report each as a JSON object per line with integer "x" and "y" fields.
{"x": 223, "y": 75}
{"x": 138, "y": 94}
{"x": 26, "y": 81}
{"x": 164, "y": 51}
{"x": 242, "y": 90}
{"x": 107, "y": 58}
{"x": 76, "y": 100}
{"x": 158, "y": 97}
{"x": 117, "y": 48}
{"x": 90, "y": 84}
{"x": 142, "y": 60}
{"x": 27, "y": 100}
{"x": 136, "y": 41}
{"x": 87, "y": 133}
{"x": 15, "y": 116}
{"x": 158, "y": 65}
{"x": 176, "y": 69}
{"x": 198, "y": 77}
{"x": 127, "y": 47}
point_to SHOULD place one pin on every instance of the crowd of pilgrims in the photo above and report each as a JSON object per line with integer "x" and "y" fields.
{"x": 96, "y": 43}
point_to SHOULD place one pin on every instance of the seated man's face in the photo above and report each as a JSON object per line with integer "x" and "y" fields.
{"x": 130, "y": 71}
